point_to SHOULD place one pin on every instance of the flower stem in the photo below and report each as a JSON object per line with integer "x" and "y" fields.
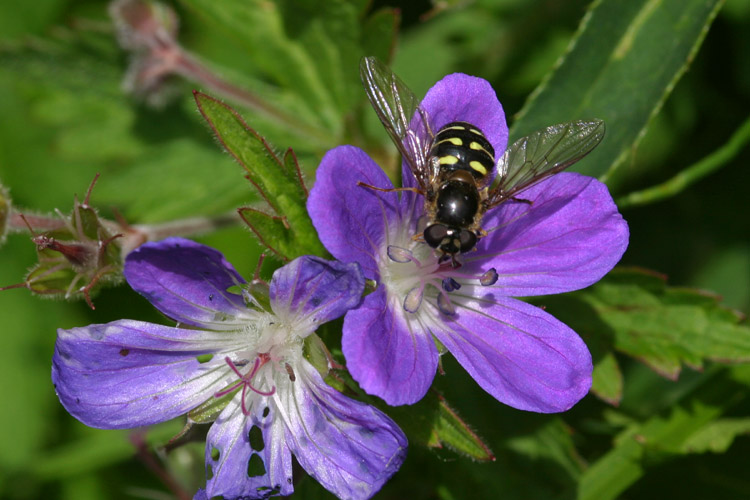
{"x": 693, "y": 173}
{"x": 190, "y": 68}
{"x": 190, "y": 226}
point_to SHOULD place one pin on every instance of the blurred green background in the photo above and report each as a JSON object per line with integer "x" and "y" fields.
{"x": 670, "y": 98}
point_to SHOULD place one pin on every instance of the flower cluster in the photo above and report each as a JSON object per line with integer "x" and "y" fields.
{"x": 128, "y": 373}
{"x": 240, "y": 348}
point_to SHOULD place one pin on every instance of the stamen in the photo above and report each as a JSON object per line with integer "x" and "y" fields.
{"x": 413, "y": 299}
{"x": 445, "y": 305}
{"x": 289, "y": 370}
{"x": 246, "y": 380}
{"x": 488, "y": 278}
{"x": 450, "y": 285}
{"x": 401, "y": 255}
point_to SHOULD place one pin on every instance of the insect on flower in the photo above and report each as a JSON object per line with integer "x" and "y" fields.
{"x": 454, "y": 168}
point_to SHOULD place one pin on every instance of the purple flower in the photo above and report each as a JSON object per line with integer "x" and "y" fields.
{"x": 566, "y": 239}
{"x": 235, "y": 351}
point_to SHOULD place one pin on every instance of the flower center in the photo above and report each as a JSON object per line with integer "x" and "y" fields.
{"x": 409, "y": 273}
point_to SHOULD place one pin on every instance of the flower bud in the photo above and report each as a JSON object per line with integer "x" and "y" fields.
{"x": 82, "y": 254}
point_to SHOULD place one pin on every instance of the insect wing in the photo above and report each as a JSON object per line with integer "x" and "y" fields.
{"x": 544, "y": 153}
{"x": 399, "y": 111}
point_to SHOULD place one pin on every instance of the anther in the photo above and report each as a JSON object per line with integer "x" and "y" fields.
{"x": 400, "y": 255}
{"x": 289, "y": 371}
{"x": 445, "y": 305}
{"x": 488, "y": 278}
{"x": 413, "y": 299}
{"x": 450, "y": 285}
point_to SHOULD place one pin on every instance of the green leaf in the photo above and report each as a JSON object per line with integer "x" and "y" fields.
{"x": 450, "y": 430}
{"x": 287, "y": 230}
{"x": 717, "y": 436}
{"x": 553, "y": 441}
{"x": 667, "y": 327}
{"x": 620, "y": 67}
{"x": 379, "y": 37}
{"x": 691, "y": 427}
{"x": 309, "y": 50}
{"x": 607, "y": 379}
{"x": 634, "y": 311}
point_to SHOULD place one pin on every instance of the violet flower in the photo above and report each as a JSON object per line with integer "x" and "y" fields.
{"x": 130, "y": 373}
{"x": 566, "y": 239}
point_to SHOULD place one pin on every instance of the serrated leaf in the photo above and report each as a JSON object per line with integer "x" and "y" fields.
{"x": 620, "y": 67}
{"x": 272, "y": 231}
{"x": 687, "y": 428}
{"x": 717, "y": 436}
{"x": 289, "y": 231}
{"x": 667, "y": 327}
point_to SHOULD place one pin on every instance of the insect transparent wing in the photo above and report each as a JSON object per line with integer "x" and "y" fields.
{"x": 399, "y": 111}
{"x": 544, "y": 153}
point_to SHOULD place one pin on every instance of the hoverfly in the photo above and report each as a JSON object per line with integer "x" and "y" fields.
{"x": 452, "y": 167}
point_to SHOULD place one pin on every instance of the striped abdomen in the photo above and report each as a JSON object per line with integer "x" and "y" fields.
{"x": 462, "y": 146}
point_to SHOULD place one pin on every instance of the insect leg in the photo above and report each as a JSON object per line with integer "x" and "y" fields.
{"x": 390, "y": 190}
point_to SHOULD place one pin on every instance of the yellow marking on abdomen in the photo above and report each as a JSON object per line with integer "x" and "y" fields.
{"x": 453, "y": 140}
{"x": 478, "y": 167}
{"x": 448, "y": 160}
{"x": 478, "y": 147}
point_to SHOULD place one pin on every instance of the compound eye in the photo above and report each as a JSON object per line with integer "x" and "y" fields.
{"x": 434, "y": 234}
{"x": 468, "y": 240}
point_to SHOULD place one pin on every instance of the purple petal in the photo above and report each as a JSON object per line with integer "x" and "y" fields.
{"x": 518, "y": 353}
{"x": 349, "y": 447}
{"x": 129, "y": 373}
{"x": 388, "y": 356}
{"x": 350, "y": 219}
{"x": 186, "y": 281}
{"x": 460, "y": 97}
{"x": 317, "y": 289}
{"x": 457, "y": 97}
{"x": 236, "y": 439}
{"x": 569, "y": 238}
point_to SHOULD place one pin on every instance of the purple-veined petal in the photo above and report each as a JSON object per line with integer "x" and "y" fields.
{"x": 349, "y": 447}
{"x": 247, "y": 456}
{"x": 317, "y": 289}
{"x": 129, "y": 373}
{"x": 389, "y": 357}
{"x": 352, "y": 220}
{"x": 569, "y": 238}
{"x": 518, "y": 353}
{"x": 460, "y": 97}
{"x": 186, "y": 281}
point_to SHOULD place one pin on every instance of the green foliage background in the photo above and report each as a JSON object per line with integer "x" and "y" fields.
{"x": 669, "y": 413}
